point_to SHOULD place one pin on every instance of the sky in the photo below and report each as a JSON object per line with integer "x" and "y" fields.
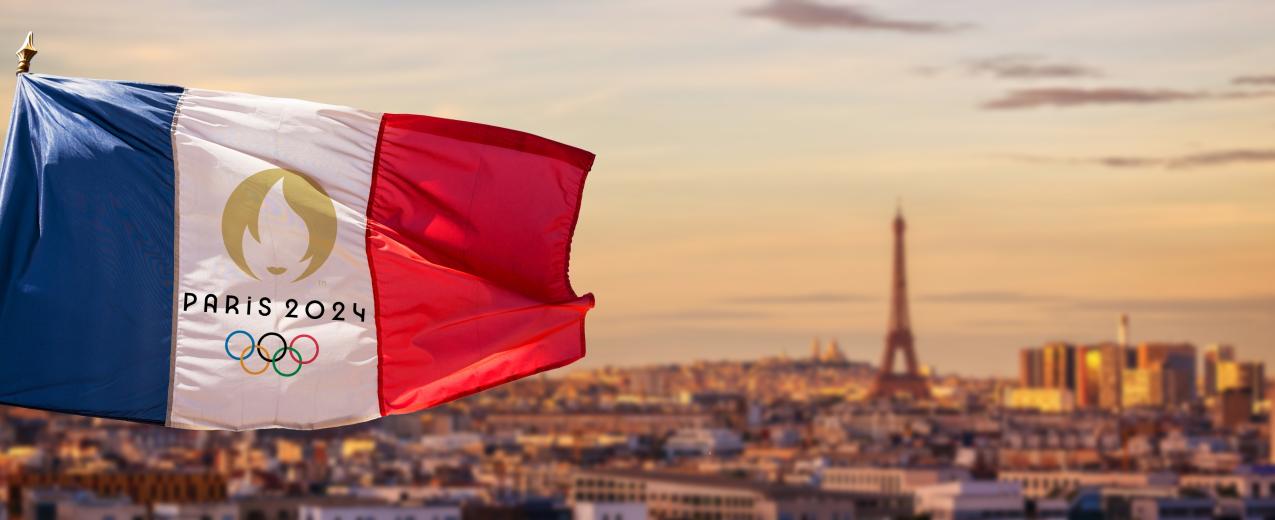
{"x": 1058, "y": 162}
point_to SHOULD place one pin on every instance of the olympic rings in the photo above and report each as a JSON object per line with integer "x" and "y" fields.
{"x": 231, "y": 335}
{"x": 244, "y": 357}
{"x": 291, "y": 349}
{"x": 286, "y": 349}
{"x": 261, "y": 352}
{"x": 279, "y": 354}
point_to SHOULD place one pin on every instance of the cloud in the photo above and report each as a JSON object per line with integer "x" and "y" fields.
{"x": 801, "y": 299}
{"x": 1262, "y": 79}
{"x": 811, "y": 14}
{"x": 1226, "y": 157}
{"x": 1018, "y": 66}
{"x": 1068, "y": 97}
{"x": 1072, "y": 97}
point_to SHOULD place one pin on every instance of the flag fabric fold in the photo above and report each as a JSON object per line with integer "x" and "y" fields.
{"x": 218, "y": 260}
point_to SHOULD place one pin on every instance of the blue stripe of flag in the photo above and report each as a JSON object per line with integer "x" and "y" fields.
{"x": 86, "y": 248}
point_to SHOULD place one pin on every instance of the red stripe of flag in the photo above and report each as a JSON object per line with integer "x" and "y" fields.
{"x": 468, "y": 239}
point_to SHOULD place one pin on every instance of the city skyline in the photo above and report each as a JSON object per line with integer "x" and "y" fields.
{"x": 1060, "y": 165}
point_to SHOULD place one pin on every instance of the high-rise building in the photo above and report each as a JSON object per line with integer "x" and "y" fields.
{"x": 1099, "y": 376}
{"x": 1176, "y": 361}
{"x": 1142, "y": 387}
{"x": 1213, "y": 355}
{"x": 1059, "y": 362}
{"x": 1271, "y": 429}
{"x": 1232, "y": 408}
{"x": 1246, "y": 376}
{"x": 1030, "y": 368}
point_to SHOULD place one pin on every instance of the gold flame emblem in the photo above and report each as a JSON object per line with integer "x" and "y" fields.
{"x": 303, "y": 195}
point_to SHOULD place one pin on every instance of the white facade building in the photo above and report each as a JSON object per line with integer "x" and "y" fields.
{"x": 609, "y": 511}
{"x": 892, "y": 481}
{"x": 971, "y": 500}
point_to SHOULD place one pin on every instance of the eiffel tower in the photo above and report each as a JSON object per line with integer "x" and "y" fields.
{"x": 899, "y": 335}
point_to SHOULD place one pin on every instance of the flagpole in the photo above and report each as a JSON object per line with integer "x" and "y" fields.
{"x": 25, "y": 53}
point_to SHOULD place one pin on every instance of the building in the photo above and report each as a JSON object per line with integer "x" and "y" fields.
{"x": 832, "y": 355}
{"x": 1246, "y": 508}
{"x": 1039, "y": 484}
{"x": 888, "y": 481}
{"x": 1031, "y": 368}
{"x": 1099, "y": 376}
{"x": 685, "y": 495}
{"x": 1058, "y": 362}
{"x": 1248, "y": 376}
{"x": 1048, "y": 400}
{"x": 1213, "y": 355}
{"x": 1142, "y": 387}
{"x": 1232, "y": 407}
{"x": 1166, "y": 507}
{"x": 609, "y": 511}
{"x": 64, "y": 504}
{"x": 1249, "y": 482}
{"x": 704, "y": 442}
{"x": 196, "y": 511}
{"x": 139, "y": 488}
{"x": 971, "y": 500}
{"x": 1177, "y": 363}
{"x": 637, "y": 423}
{"x": 379, "y": 512}
{"x": 271, "y": 507}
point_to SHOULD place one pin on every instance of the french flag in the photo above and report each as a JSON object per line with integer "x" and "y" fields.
{"x": 215, "y": 260}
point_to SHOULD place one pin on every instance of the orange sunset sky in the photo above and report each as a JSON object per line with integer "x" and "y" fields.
{"x": 1059, "y": 162}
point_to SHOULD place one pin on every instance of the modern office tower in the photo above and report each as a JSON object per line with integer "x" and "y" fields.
{"x": 1232, "y": 408}
{"x": 1030, "y": 368}
{"x": 1247, "y": 376}
{"x": 1099, "y": 380}
{"x": 1176, "y": 361}
{"x": 1142, "y": 388}
{"x": 1122, "y": 331}
{"x": 1214, "y": 354}
{"x": 1059, "y": 360}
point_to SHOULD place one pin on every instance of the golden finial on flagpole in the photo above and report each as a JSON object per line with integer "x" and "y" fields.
{"x": 25, "y": 53}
